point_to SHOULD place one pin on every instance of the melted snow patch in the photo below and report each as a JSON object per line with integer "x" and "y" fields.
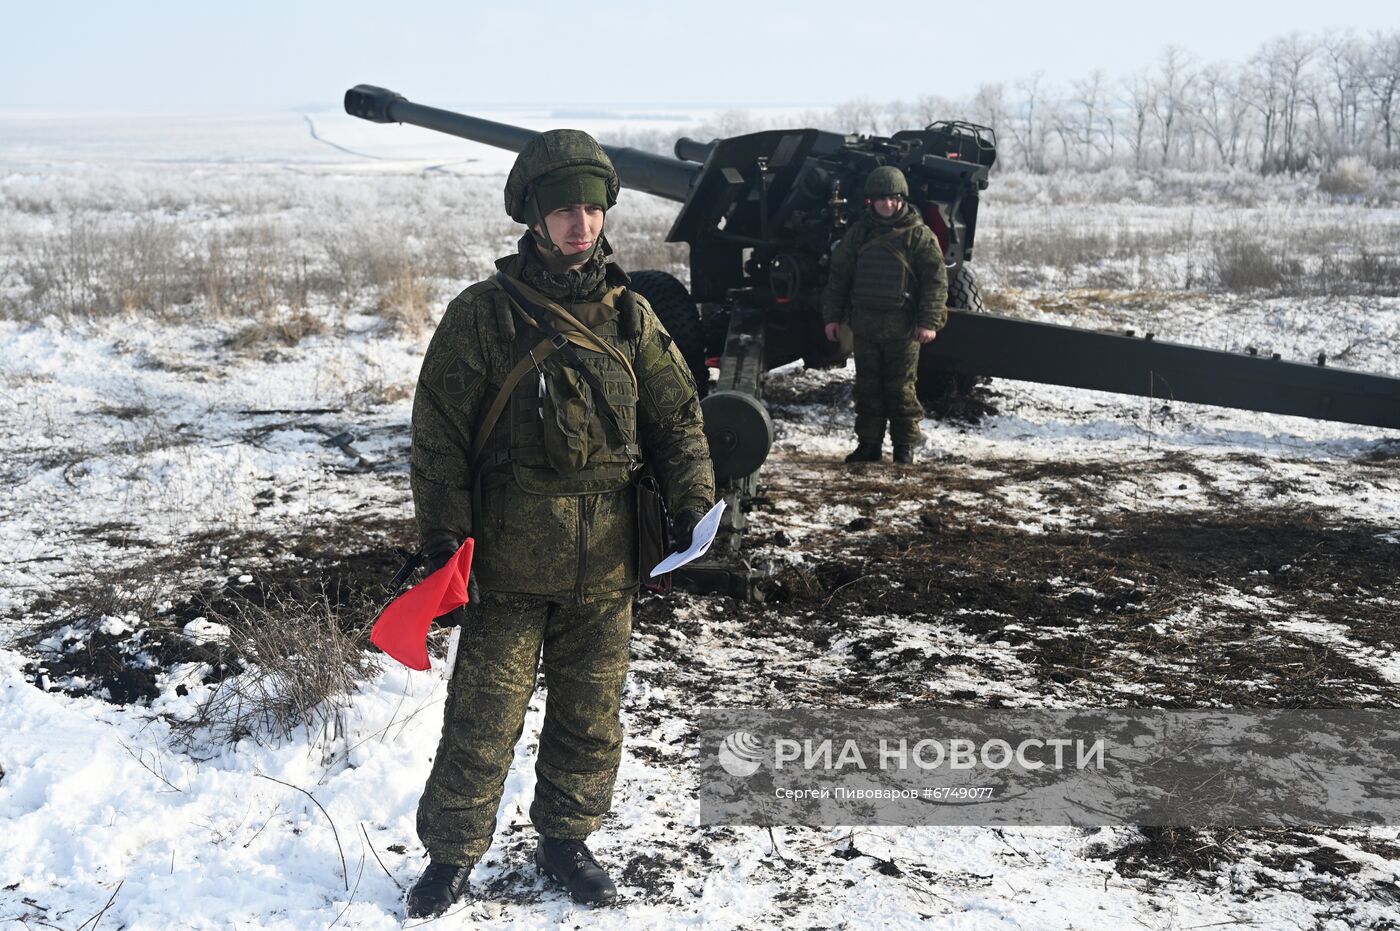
{"x": 1385, "y": 663}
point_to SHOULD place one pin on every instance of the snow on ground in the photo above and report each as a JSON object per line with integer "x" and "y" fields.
{"x": 1072, "y": 549}
{"x": 98, "y": 806}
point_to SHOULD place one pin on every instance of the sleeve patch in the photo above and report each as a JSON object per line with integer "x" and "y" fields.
{"x": 457, "y": 381}
{"x": 667, "y": 389}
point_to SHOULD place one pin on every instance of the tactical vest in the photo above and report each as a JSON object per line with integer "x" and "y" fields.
{"x": 884, "y": 279}
{"x": 519, "y": 438}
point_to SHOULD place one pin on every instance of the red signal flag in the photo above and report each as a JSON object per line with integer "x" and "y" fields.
{"x": 402, "y": 629}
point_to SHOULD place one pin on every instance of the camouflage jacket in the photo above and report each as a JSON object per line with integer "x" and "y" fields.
{"x": 537, "y": 536}
{"x": 886, "y": 277}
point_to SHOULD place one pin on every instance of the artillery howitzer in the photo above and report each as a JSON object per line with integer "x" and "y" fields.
{"x": 761, "y": 213}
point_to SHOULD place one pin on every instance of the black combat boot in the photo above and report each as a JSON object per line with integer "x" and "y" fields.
{"x": 903, "y": 454}
{"x": 571, "y": 863}
{"x": 865, "y": 452}
{"x": 437, "y": 889}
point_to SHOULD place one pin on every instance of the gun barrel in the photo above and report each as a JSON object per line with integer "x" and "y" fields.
{"x": 693, "y": 150}
{"x": 641, "y": 171}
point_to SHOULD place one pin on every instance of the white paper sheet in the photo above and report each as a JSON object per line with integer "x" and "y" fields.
{"x": 700, "y": 541}
{"x": 453, "y": 639}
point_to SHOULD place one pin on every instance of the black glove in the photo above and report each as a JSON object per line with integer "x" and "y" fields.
{"x": 435, "y": 557}
{"x": 454, "y": 618}
{"x": 438, "y": 551}
{"x": 683, "y": 528}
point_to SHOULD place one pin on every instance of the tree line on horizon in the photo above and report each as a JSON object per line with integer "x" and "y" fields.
{"x": 1299, "y": 103}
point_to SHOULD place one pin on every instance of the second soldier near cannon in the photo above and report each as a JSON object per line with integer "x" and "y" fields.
{"x": 889, "y": 283}
{"x": 545, "y": 388}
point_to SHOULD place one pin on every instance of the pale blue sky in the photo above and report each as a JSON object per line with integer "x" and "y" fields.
{"x": 253, "y": 55}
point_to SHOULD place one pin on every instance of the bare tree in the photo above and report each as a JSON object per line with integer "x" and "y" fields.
{"x": 1316, "y": 140}
{"x": 1283, "y": 63}
{"x": 899, "y": 114}
{"x": 1221, "y": 107}
{"x": 1382, "y": 79}
{"x": 1169, "y": 101}
{"x": 989, "y": 107}
{"x": 1089, "y": 116}
{"x": 1262, "y": 91}
{"x": 931, "y": 107}
{"x": 734, "y": 122}
{"x": 1060, "y": 123}
{"x": 1142, "y": 93}
{"x": 859, "y": 116}
{"x": 1024, "y": 124}
{"x": 1344, "y": 65}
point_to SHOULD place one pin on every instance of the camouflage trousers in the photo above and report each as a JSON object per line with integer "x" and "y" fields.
{"x": 886, "y": 372}
{"x": 585, "y": 654}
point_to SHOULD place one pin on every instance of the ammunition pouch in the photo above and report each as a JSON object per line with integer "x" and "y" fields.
{"x": 653, "y": 532}
{"x": 570, "y": 433}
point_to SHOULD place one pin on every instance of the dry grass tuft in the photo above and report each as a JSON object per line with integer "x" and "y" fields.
{"x": 1003, "y": 301}
{"x": 300, "y": 670}
{"x": 407, "y": 302}
{"x": 1244, "y": 263}
{"x": 1349, "y": 177}
{"x": 287, "y": 329}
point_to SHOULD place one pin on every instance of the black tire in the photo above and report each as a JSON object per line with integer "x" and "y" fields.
{"x": 964, "y": 292}
{"x": 677, "y": 313}
{"x": 939, "y": 391}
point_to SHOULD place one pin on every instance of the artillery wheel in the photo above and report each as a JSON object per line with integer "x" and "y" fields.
{"x": 964, "y": 292}
{"x": 943, "y": 392}
{"x": 740, "y": 433}
{"x": 677, "y": 313}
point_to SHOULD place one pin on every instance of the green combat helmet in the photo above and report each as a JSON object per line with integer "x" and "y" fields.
{"x": 557, "y": 168}
{"x": 883, "y": 181}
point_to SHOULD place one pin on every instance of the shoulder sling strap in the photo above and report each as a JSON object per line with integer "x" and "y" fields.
{"x": 532, "y": 359}
{"x": 561, "y": 343}
{"x": 887, "y": 240}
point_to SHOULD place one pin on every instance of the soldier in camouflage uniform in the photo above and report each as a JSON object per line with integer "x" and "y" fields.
{"x": 548, "y": 493}
{"x": 889, "y": 283}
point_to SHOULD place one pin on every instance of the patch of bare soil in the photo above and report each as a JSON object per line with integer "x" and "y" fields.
{"x": 1157, "y": 608}
{"x": 112, "y": 634}
{"x": 944, "y": 598}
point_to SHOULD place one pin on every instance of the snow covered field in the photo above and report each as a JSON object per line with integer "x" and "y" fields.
{"x": 169, "y": 453}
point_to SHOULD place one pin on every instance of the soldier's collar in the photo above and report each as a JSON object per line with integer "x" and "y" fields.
{"x": 530, "y": 267}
